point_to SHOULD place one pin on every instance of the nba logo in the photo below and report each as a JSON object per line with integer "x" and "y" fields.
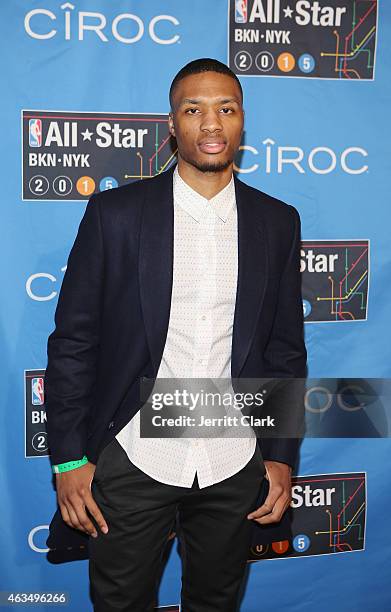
{"x": 37, "y": 397}
{"x": 35, "y": 132}
{"x": 240, "y": 11}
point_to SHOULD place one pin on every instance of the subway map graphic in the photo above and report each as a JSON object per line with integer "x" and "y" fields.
{"x": 328, "y": 513}
{"x": 69, "y": 155}
{"x": 327, "y": 39}
{"x": 335, "y": 280}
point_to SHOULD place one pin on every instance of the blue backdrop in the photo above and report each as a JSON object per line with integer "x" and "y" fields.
{"x": 336, "y": 127}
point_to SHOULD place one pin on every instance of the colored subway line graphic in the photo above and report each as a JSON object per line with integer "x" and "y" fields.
{"x": 351, "y": 49}
{"x": 335, "y": 280}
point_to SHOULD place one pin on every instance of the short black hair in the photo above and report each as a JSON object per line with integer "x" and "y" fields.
{"x": 203, "y": 64}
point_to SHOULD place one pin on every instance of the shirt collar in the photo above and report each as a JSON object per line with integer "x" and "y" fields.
{"x": 195, "y": 204}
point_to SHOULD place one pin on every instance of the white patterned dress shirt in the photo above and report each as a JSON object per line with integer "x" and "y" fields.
{"x": 199, "y": 338}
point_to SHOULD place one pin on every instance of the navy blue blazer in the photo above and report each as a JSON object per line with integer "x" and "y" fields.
{"x": 113, "y": 309}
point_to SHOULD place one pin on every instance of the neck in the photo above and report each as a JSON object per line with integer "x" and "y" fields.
{"x": 207, "y": 184}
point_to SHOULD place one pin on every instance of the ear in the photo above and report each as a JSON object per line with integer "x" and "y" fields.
{"x": 171, "y": 126}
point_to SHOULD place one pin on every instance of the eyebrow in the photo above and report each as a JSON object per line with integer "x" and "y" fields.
{"x": 198, "y": 100}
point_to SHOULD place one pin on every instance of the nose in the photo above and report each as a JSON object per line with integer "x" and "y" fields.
{"x": 211, "y": 121}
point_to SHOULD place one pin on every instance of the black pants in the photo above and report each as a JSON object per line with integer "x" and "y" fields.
{"x": 140, "y": 512}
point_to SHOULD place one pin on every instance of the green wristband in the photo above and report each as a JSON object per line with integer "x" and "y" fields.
{"x": 69, "y": 465}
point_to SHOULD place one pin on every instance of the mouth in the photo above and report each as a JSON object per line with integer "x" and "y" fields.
{"x": 212, "y": 146}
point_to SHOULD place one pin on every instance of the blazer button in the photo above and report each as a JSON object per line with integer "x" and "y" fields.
{"x": 111, "y": 424}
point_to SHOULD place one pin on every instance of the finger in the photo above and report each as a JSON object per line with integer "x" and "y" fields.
{"x": 75, "y": 523}
{"x": 77, "y": 513}
{"x": 274, "y": 494}
{"x": 93, "y": 508}
{"x": 263, "y": 510}
{"x": 65, "y": 514}
{"x": 83, "y": 518}
{"x": 276, "y": 515}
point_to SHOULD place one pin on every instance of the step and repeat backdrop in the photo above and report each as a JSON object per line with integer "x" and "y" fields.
{"x": 84, "y": 109}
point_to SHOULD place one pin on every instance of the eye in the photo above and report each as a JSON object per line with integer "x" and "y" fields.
{"x": 226, "y": 110}
{"x": 191, "y": 111}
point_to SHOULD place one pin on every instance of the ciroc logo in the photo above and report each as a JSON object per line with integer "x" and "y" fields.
{"x": 126, "y": 28}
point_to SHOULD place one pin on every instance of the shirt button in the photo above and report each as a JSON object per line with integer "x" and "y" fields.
{"x": 203, "y": 317}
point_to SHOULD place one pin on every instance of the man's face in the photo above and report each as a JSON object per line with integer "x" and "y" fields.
{"x": 207, "y": 120}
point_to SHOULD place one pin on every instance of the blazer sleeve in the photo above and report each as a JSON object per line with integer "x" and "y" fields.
{"x": 73, "y": 346}
{"x": 286, "y": 353}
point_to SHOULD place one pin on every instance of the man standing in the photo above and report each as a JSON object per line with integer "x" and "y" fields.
{"x": 189, "y": 274}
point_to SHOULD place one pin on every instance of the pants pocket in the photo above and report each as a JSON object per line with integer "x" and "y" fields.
{"x": 102, "y": 460}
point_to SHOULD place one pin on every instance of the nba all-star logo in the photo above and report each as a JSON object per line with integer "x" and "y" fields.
{"x": 69, "y": 155}
{"x": 328, "y": 39}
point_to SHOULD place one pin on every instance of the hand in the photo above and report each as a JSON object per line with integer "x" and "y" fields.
{"x": 74, "y": 496}
{"x": 279, "y": 496}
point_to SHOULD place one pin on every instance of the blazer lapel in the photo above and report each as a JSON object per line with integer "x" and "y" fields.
{"x": 156, "y": 262}
{"x": 252, "y": 274}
